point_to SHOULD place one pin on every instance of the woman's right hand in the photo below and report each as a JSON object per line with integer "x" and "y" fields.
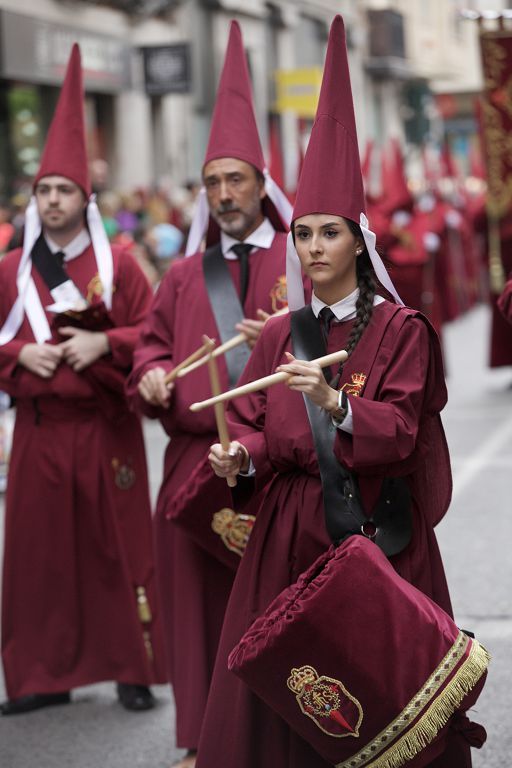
{"x": 229, "y": 463}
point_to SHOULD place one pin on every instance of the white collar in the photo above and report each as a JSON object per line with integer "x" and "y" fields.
{"x": 262, "y": 237}
{"x": 344, "y": 309}
{"x": 73, "y": 248}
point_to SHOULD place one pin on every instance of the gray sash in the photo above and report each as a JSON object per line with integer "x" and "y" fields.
{"x": 390, "y": 525}
{"x": 226, "y": 308}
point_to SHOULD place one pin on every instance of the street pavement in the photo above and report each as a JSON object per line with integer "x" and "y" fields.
{"x": 475, "y": 541}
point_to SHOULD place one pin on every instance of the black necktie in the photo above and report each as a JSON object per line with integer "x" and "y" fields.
{"x": 242, "y": 250}
{"x": 60, "y": 255}
{"x": 326, "y": 316}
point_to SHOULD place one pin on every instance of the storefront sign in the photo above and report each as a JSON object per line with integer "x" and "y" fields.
{"x": 167, "y": 69}
{"x": 37, "y": 51}
{"x": 298, "y": 91}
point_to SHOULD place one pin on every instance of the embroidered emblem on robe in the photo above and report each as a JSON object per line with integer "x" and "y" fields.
{"x": 326, "y": 701}
{"x": 278, "y": 294}
{"x": 94, "y": 288}
{"x": 356, "y": 385}
{"x": 124, "y": 475}
{"x": 233, "y": 529}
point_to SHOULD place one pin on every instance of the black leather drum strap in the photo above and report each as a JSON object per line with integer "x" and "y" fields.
{"x": 390, "y": 525}
{"x": 226, "y": 308}
{"x": 343, "y": 513}
{"x": 48, "y": 264}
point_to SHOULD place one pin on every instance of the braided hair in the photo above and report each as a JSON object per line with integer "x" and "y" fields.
{"x": 367, "y": 287}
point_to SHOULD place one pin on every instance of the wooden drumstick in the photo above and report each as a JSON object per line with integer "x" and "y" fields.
{"x": 172, "y": 375}
{"x": 240, "y": 338}
{"x": 220, "y": 414}
{"x": 266, "y": 381}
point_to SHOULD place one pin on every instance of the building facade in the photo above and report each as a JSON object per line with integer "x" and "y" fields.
{"x": 152, "y": 66}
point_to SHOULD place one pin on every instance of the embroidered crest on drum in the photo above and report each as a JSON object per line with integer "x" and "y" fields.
{"x": 356, "y": 385}
{"x": 278, "y": 294}
{"x": 233, "y": 529}
{"x": 326, "y": 701}
{"x": 124, "y": 475}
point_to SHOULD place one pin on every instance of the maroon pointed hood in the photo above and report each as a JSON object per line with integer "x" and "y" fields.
{"x": 65, "y": 152}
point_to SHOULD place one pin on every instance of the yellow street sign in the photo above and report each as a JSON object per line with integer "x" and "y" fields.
{"x": 297, "y": 90}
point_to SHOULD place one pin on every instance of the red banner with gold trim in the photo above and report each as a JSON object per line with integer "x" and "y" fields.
{"x": 496, "y": 126}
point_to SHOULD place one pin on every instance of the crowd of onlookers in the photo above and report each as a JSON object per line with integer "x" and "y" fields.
{"x": 153, "y": 222}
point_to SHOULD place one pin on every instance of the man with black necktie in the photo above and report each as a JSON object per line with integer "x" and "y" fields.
{"x": 232, "y": 285}
{"x": 78, "y": 560}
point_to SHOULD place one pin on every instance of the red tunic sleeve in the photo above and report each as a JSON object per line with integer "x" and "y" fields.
{"x": 385, "y": 430}
{"x": 130, "y": 304}
{"x": 156, "y": 342}
{"x": 8, "y": 352}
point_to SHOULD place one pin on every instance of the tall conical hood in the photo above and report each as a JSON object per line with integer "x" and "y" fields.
{"x": 233, "y": 131}
{"x": 331, "y": 180}
{"x": 396, "y": 195}
{"x": 65, "y": 152}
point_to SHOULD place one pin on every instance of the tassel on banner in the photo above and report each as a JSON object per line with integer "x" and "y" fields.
{"x": 496, "y": 271}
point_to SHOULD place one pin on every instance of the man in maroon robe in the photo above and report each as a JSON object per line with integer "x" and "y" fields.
{"x": 194, "y": 586}
{"x": 78, "y": 603}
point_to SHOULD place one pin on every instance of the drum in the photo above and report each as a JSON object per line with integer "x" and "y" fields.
{"x": 361, "y": 664}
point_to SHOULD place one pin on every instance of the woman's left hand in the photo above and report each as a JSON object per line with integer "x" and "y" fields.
{"x": 307, "y": 377}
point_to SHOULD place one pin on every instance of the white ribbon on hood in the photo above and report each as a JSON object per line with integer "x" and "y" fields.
{"x": 28, "y": 301}
{"x": 199, "y": 224}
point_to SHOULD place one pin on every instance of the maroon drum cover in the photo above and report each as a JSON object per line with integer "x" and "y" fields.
{"x": 203, "y": 509}
{"x": 361, "y": 664}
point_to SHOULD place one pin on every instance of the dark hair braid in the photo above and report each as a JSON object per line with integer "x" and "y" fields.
{"x": 364, "y": 304}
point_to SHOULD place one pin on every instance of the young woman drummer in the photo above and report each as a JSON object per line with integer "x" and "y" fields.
{"x": 383, "y": 407}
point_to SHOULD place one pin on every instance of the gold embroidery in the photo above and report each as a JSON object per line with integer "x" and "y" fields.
{"x": 145, "y": 618}
{"x": 278, "y": 294}
{"x": 94, "y": 288}
{"x": 124, "y": 475}
{"x": 392, "y": 748}
{"x": 233, "y": 529}
{"x": 322, "y": 699}
{"x": 356, "y": 385}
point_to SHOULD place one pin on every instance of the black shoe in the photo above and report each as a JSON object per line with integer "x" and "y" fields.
{"x": 135, "y": 698}
{"x": 34, "y": 701}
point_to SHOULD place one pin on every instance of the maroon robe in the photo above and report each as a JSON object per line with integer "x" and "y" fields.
{"x": 78, "y": 522}
{"x": 505, "y": 301}
{"x": 500, "y": 352}
{"x": 397, "y": 431}
{"x": 194, "y": 586}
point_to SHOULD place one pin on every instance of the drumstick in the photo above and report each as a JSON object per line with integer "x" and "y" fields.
{"x": 267, "y": 381}
{"x": 220, "y": 415}
{"x": 240, "y": 338}
{"x": 187, "y": 361}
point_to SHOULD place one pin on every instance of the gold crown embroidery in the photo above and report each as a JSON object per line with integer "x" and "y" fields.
{"x": 278, "y": 294}
{"x": 233, "y": 529}
{"x": 356, "y": 385}
{"x": 326, "y": 701}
